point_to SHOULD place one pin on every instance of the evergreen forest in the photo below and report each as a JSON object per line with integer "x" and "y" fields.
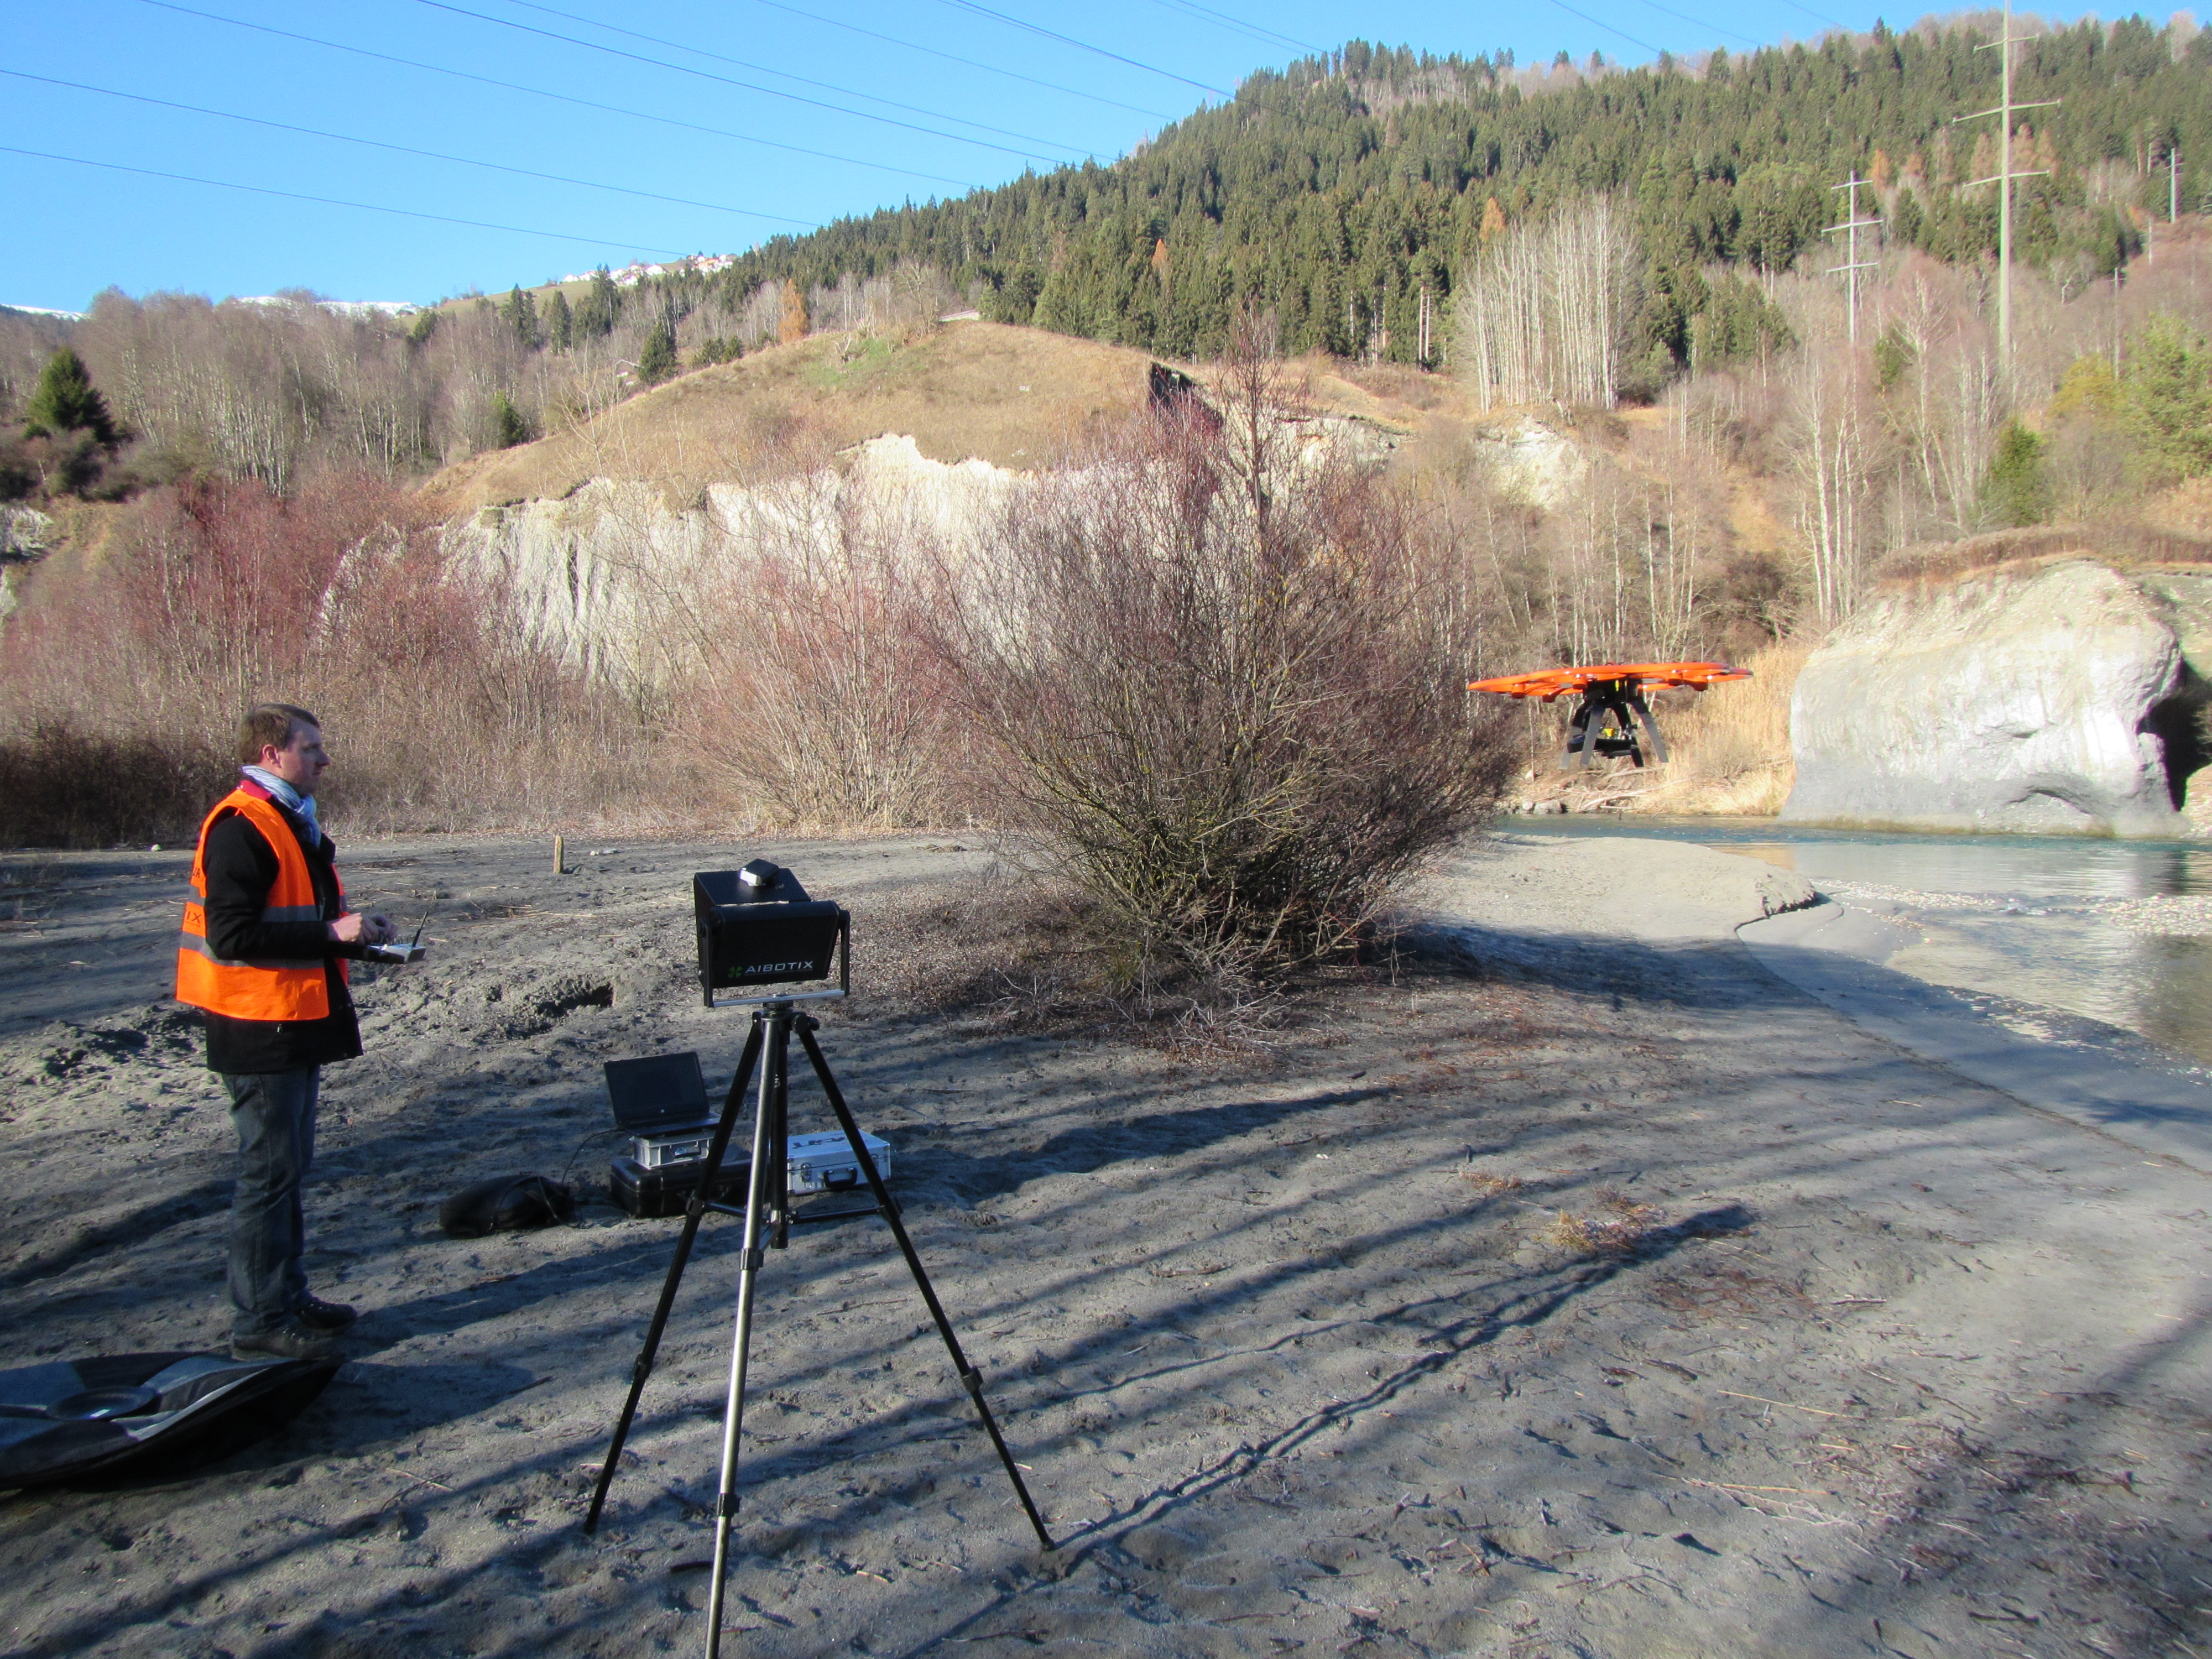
{"x": 1340, "y": 191}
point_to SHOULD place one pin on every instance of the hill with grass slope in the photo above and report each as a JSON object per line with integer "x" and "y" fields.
{"x": 1015, "y": 398}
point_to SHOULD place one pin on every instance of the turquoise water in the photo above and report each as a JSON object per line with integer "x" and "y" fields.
{"x": 2062, "y": 923}
{"x": 2046, "y": 867}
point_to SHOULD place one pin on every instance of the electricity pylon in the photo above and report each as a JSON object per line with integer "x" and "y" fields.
{"x": 2003, "y": 177}
{"x": 1852, "y": 264}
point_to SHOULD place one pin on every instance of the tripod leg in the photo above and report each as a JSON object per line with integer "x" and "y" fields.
{"x": 779, "y": 1138}
{"x": 970, "y": 1379}
{"x": 760, "y": 1186}
{"x": 692, "y": 1214}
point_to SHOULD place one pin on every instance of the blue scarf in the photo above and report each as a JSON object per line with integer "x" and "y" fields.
{"x": 300, "y": 806}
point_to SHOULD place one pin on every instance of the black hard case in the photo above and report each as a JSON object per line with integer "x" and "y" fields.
{"x": 666, "y": 1190}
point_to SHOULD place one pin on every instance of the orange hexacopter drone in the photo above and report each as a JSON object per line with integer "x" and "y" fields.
{"x": 1604, "y": 721}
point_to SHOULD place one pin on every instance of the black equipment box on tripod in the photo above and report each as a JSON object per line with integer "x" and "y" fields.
{"x": 756, "y": 927}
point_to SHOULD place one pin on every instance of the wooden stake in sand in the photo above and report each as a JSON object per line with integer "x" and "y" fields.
{"x": 560, "y": 858}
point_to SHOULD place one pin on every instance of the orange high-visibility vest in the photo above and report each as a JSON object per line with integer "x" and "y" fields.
{"x": 254, "y": 990}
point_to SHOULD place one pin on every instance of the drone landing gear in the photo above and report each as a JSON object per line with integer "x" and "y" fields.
{"x": 1604, "y": 723}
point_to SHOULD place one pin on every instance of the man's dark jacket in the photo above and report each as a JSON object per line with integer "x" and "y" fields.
{"x": 242, "y": 868}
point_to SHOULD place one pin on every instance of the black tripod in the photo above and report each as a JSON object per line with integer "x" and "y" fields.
{"x": 768, "y": 1202}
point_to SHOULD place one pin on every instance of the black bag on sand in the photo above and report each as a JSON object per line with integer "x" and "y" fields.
{"x": 505, "y": 1203}
{"x": 123, "y": 1414}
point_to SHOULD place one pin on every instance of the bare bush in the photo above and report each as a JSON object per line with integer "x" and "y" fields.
{"x": 812, "y": 700}
{"x": 126, "y": 680}
{"x": 1208, "y": 693}
{"x": 64, "y": 787}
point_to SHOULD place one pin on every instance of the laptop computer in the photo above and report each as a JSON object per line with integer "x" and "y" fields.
{"x": 661, "y": 1100}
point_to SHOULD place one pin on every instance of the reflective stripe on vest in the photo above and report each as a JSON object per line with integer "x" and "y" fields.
{"x": 257, "y": 989}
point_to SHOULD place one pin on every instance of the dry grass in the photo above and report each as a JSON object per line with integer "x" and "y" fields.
{"x": 1014, "y": 397}
{"x": 1018, "y": 398}
{"x": 2176, "y": 529}
{"x": 28, "y": 892}
{"x": 1729, "y": 749}
{"x": 1622, "y": 1227}
{"x": 1007, "y": 951}
{"x": 1490, "y": 1185}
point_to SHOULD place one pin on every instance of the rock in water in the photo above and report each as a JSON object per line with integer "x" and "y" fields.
{"x": 2066, "y": 697}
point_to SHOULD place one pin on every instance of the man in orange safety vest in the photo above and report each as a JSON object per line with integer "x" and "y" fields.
{"x": 265, "y": 940}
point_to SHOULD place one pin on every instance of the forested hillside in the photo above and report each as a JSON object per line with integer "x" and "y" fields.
{"x": 1337, "y": 191}
{"x": 1353, "y": 197}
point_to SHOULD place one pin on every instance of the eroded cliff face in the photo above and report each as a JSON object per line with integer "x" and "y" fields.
{"x": 2063, "y": 697}
{"x": 609, "y": 574}
{"x": 612, "y": 574}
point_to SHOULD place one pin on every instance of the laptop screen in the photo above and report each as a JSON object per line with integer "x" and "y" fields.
{"x": 656, "y": 1091}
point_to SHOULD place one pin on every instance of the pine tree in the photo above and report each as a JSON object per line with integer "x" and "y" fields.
{"x": 560, "y": 321}
{"x": 2017, "y": 492}
{"x": 600, "y": 309}
{"x": 793, "y": 329}
{"x": 509, "y": 426}
{"x": 521, "y": 313}
{"x": 2168, "y": 393}
{"x": 65, "y": 401}
{"x": 657, "y": 360}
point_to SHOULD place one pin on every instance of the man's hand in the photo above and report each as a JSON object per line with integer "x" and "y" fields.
{"x": 354, "y": 928}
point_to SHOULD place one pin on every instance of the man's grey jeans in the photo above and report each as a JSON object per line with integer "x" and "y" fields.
{"x": 274, "y": 1113}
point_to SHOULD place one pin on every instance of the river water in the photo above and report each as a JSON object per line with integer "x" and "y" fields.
{"x": 2113, "y": 931}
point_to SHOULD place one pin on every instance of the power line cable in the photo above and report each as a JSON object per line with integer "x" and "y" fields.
{"x": 724, "y": 79}
{"x": 1821, "y": 15}
{"x": 1236, "y": 25}
{"x": 1080, "y": 45}
{"x": 404, "y": 149}
{"x": 849, "y": 92}
{"x": 558, "y": 97}
{"x": 332, "y": 200}
{"x": 1698, "y": 22}
{"x": 1608, "y": 28}
{"x": 954, "y": 58}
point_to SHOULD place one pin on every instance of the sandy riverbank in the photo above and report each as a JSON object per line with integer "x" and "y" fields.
{"x": 1323, "y": 1353}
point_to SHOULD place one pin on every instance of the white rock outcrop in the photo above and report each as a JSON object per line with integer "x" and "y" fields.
{"x": 26, "y": 534}
{"x": 607, "y": 574}
{"x": 1533, "y": 462}
{"x": 2064, "y": 697}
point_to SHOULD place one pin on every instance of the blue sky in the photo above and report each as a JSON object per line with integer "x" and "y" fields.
{"x": 881, "y": 119}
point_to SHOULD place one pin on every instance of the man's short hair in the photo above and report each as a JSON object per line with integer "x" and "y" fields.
{"x": 269, "y": 724}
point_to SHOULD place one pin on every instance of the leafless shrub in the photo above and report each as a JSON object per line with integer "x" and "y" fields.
{"x": 810, "y": 700}
{"x": 119, "y": 691}
{"x": 64, "y": 787}
{"x": 1207, "y": 693}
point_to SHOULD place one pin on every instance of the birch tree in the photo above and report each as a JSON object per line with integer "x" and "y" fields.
{"x": 1543, "y": 313}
